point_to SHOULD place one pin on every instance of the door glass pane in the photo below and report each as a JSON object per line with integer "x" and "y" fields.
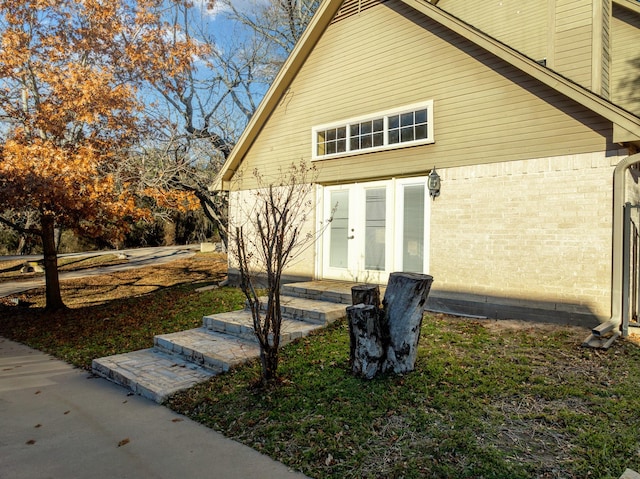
{"x": 413, "y": 231}
{"x": 374, "y": 247}
{"x": 338, "y": 248}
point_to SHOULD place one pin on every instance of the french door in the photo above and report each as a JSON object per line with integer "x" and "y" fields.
{"x": 376, "y": 228}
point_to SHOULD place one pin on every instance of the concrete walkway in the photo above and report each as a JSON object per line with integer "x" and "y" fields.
{"x": 59, "y": 422}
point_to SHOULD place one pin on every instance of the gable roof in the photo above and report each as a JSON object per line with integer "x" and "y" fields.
{"x": 626, "y": 124}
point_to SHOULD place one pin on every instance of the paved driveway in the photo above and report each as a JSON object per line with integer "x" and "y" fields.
{"x": 138, "y": 258}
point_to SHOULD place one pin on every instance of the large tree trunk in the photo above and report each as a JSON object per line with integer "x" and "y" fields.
{"x": 53, "y": 297}
{"x": 403, "y": 304}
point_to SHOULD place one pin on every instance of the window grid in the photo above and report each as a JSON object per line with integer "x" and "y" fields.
{"x": 386, "y": 130}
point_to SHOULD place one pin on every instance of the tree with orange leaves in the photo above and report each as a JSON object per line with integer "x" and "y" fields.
{"x": 70, "y": 111}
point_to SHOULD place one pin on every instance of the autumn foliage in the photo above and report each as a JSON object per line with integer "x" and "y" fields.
{"x": 71, "y": 111}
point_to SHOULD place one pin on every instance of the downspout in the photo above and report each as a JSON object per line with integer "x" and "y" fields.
{"x": 619, "y": 190}
{"x": 599, "y": 337}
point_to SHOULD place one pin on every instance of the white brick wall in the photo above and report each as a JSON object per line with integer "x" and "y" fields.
{"x": 535, "y": 231}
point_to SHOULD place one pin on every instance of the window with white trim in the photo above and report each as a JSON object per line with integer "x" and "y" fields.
{"x": 406, "y": 126}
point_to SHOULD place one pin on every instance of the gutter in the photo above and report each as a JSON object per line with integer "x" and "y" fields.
{"x": 600, "y": 337}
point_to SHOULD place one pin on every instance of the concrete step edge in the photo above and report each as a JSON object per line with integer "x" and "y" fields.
{"x": 150, "y": 373}
{"x": 240, "y": 323}
{"x": 212, "y": 350}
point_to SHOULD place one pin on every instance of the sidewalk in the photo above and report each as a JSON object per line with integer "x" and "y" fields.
{"x": 59, "y": 422}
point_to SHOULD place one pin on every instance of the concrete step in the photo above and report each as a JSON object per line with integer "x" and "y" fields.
{"x": 240, "y": 323}
{"x": 325, "y": 290}
{"x": 331, "y": 291}
{"x": 150, "y": 373}
{"x": 312, "y": 310}
{"x": 215, "y": 351}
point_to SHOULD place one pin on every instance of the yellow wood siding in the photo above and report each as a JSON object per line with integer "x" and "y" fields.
{"x": 389, "y": 56}
{"x": 573, "y": 35}
{"x": 521, "y": 25}
{"x": 573, "y": 14}
{"x": 573, "y": 46}
{"x": 625, "y": 59}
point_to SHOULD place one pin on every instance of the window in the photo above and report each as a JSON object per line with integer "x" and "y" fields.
{"x": 407, "y": 126}
{"x": 332, "y": 141}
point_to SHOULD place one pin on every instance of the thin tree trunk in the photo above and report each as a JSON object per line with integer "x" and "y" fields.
{"x": 53, "y": 297}
{"x": 270, "y": 354}
{"x": 26, "y": 240}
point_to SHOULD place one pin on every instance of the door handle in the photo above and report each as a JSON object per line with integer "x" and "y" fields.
{"x": 350, "y": 237}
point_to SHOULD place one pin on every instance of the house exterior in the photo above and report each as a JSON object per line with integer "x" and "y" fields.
{"x": 529, "y": 112}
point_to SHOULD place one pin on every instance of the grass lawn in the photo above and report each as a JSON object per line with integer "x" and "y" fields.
{"x": 487, "y": 399}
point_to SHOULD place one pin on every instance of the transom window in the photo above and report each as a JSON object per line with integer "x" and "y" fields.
{"x": 406, "y": 126}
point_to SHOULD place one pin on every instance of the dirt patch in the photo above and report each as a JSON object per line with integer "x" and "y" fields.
{"x": 538, "y": 328}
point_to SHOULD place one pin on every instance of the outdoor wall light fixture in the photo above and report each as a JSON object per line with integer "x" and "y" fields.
{"x": 433, "y": 183}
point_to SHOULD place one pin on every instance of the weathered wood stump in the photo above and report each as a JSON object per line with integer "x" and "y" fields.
{"x": 367, "y": 347}
{"x": 366, "y": 294}
{"x": 403, "y": 304}
{"x": 386, "y": 339}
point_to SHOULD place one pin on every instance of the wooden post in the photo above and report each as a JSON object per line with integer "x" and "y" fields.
{"x": 403, "y": 305}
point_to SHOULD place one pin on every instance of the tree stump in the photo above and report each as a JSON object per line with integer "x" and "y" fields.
{"x": 386, "y": 339}
{"x": 403, "y": 304}
{"x": 366, "y": 294}
{"x": 367, "y": 346}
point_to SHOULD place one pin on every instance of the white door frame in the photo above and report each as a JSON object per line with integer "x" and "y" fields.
{"x": 393, "y": 234}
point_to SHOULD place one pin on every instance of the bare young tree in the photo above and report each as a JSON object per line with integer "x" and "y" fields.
{"x": 277, "y": 229}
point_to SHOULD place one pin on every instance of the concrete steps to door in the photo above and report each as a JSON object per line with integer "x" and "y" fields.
{"x": 240, "y": 324}
{"x": 183, "y": 359}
